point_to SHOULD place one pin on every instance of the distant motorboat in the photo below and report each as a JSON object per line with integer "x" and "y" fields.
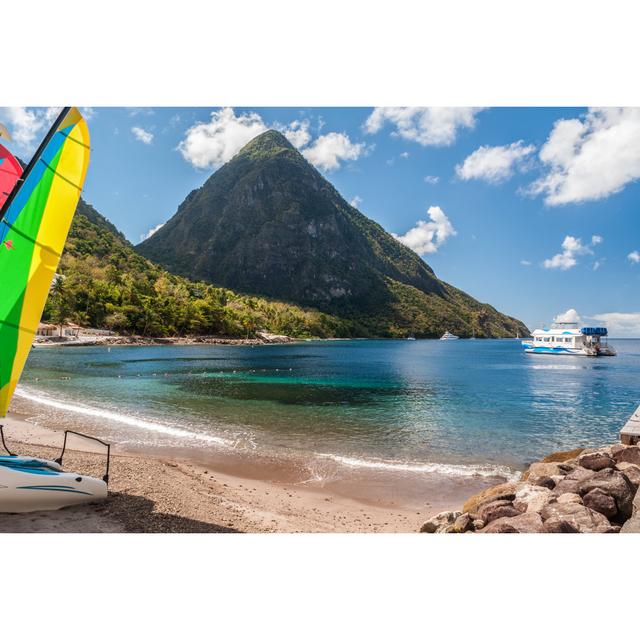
{"x": 449, "y": 336}
{"x": 411, "y": 337}
{"x": 566, "y": 339}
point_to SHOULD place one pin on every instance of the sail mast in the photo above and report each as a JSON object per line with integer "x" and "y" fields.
{"x": 33, "y": 161}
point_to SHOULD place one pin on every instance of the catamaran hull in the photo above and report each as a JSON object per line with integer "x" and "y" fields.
{"x": 31, "y": 484}
{"x": 565, "y": 352}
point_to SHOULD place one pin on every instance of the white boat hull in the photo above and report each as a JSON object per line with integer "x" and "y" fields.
{"x": 568, "y": 351}
{"x": 32, "y": 484}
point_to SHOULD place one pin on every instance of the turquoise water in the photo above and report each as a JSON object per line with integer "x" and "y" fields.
{"x": 479, "y": 404}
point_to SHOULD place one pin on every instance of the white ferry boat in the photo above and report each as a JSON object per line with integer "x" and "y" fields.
{"x": 449, "y": 336}
{"x": 565, "y": 338}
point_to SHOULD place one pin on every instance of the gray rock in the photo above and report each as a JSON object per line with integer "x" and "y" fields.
{"x": 539, "y": 469}
{"x": 615, "y": 484}
{"x": 555, "y": 525}
{"x": 438, "y": 523}
{"x": 462, "y": 524}
{"x": 601, "y": 502}
{"x": 544, "y": 481}
{"x": 531, "y": 498}
{"x": 524, "y": 523}
{"x": 627, "y": 454}
{"x": 632, "y": 471}
{"x": 571, "y": 482}
{"x": 498, "y": 509}
{"x": 579, "y": 474}
{"x": 579, "y": 517}
{"x": 566, "y": 486}
{"x": 596, "y": 460}
{"x": 632, "y": 525}
{"x": 569, "y": 497}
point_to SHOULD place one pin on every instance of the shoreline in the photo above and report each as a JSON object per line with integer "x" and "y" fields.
{"x": 119, "y": 340}
{"x": 163, "y": 491}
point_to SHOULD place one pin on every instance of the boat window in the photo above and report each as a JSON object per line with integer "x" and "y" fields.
{"x": 547, "y": 339}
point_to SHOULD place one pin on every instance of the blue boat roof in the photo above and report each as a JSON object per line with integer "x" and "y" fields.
{"x": 594, "y": 331}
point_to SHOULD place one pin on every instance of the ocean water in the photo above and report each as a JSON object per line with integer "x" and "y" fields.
{"x": 463, "y": 407}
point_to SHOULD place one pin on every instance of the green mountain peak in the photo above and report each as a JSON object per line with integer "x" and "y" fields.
{"x": 268, "y": 223}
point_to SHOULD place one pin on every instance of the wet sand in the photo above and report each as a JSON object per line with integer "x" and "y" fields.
{"x": 166, "y": 492}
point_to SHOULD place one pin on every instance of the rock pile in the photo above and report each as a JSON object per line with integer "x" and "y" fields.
{"x": 579, "y": 491}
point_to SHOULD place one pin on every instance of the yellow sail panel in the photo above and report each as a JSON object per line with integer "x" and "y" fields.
{"x": 33, "y": 230}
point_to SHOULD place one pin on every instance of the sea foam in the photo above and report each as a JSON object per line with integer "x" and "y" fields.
{"x": 121, "y": 418}
{"x": 463, "y": 470}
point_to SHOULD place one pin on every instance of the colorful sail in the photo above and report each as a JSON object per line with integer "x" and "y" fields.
{"x": 34, "y": 223}
{"x": 10, "y": 171}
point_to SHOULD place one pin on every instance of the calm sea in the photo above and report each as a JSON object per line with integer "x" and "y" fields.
{"x": 462, "y": 407}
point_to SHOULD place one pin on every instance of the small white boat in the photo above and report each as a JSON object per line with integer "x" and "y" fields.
{"x": 32, "y": 484}
{"x": 449, "y": 336}
{"x": 35, "y": 484}
{"x": 567, "y": 339}
{"x": 411, "y": 338}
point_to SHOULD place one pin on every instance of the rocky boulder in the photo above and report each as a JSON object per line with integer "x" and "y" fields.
{"x": 531, "y": 499}
{"x": 544, "y": 481}
{"x": 596, "y": 460}
{"x": 496, "y": 509}
{"x": 440, "y": 523}
{"x": 601, "y": 502}
{"x": 562, "y": 517}
{"x": 562, "y": 456}
{"x": 541, "y": 469}
{"x": 613, "y": 483}
{"x": 571, "y": 481}
{"x": 504, "y": 491}
{"x": 569, "y": 497}
{"x": 622, "y": 453}
{"x": 463, "y": 524}
{"x": 523, "y": 523}
{"x": 632, "y": 471}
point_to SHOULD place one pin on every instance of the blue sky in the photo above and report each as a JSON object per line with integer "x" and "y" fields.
{"x": 534, "y": 210}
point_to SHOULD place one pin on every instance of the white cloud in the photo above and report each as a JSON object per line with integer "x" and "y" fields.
{"x": 143, "y": 135}
{"x": 494, "y": 164}
{"x": 571, "y": 248}
{"x": 428, "y": 126}
{"x": 151, "y": 231}
{"x": 25, "y": 125}
{"x": 328, "y": 150}
{"x": 356, "y": 201}
{"x": 428, "y": 237}
{"x": 525, "y": 263}
{"x": 297, "y": 133}
{"x": 432, "y": 179}
{"x": 621, "y": 325}
{"x": 208, "y": 145}
{"x": 570, "y": 315}
{"x": 634, "y": 257}
{"x": 405, "y": 154}
{"x": 591, "y": 157}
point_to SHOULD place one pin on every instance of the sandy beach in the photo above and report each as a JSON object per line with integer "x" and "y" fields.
{"x": 161, "y": 494}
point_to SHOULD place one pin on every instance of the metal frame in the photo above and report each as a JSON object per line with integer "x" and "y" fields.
{"x": 105, "y": 477}
{"x": 4, "y": 444}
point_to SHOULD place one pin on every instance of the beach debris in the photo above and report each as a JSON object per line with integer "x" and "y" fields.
{"x": 579, "y": 491}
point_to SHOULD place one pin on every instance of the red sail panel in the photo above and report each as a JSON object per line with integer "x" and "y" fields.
{"x": 10, "y": 171}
